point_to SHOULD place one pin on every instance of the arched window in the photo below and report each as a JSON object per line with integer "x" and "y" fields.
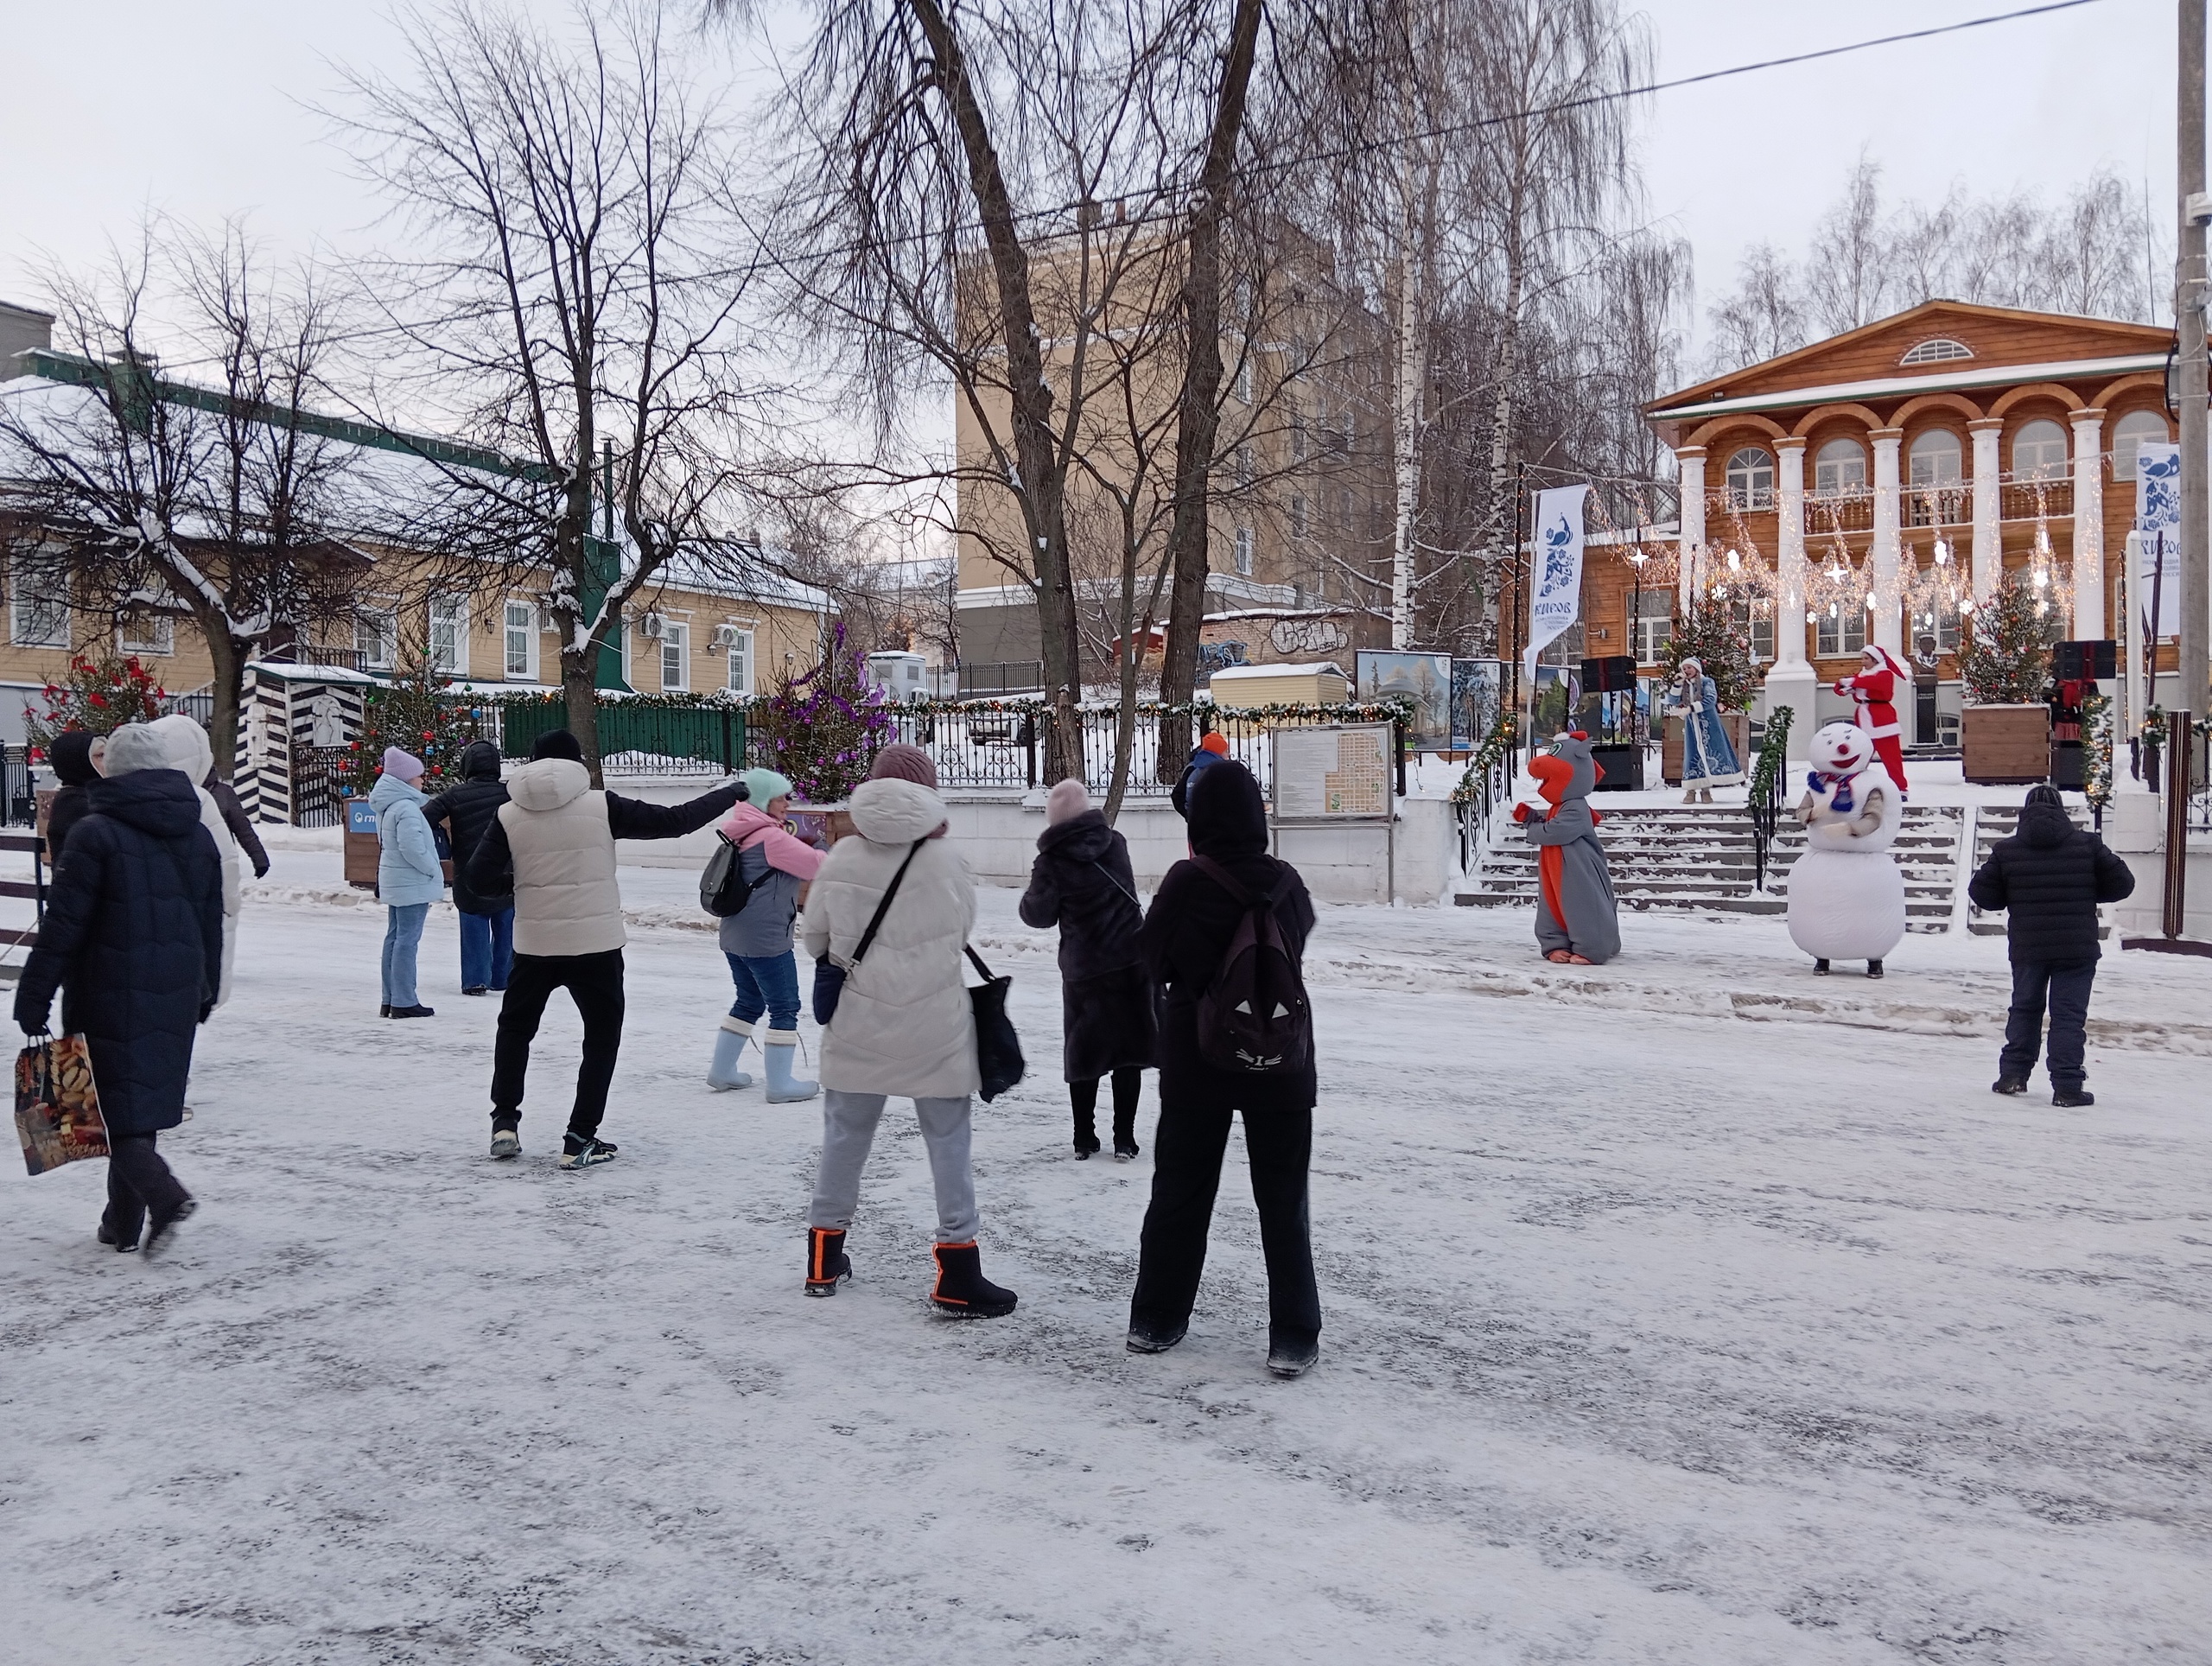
{"x": 2039, "y": 451}
{"x": 1750, "y": 480}
{"x": 1936, "y": 352}
{"x": 2131, "y": 431}
{"x": 1936, "y": 459}
{"x": 1839, "y": 468}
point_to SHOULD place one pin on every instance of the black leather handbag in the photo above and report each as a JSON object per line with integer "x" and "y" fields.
{"x": 828, "y": 975}
{"x": 998, "y": 1049}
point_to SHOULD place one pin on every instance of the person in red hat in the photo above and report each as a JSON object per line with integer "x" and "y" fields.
{"x": 1873, "y": 691}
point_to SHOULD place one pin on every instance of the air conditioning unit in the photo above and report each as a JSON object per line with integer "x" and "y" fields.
{"x": 649, "y": 626}
{"x": 724, "y": 639}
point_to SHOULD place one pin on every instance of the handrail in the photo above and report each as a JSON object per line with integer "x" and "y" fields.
{"x": 1765, "y": 802}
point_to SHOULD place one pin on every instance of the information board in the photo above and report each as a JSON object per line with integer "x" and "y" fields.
{"x": 1337, "y": 772}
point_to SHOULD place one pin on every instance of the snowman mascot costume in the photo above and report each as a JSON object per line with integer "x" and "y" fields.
{"x": 1847, "y": 895}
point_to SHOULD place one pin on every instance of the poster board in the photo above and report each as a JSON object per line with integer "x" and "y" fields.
{"x": 1425, "y": 679}
{"x": 1477, "y": 689}
{"x": 1341, "y": 772}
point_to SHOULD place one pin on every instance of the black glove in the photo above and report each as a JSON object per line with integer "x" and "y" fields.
{"x": 261, "y": 870}
{"x": 31, "y": 1016}
{"x": 207, "y": 1008}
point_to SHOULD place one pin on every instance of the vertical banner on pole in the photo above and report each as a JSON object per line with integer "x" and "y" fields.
{"x": 2157, "y": 580}
{"x": 1555, "y": 591}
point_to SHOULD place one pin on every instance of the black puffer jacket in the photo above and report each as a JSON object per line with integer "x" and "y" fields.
{"x": 133, "y": 935}
{"x": 1083, "y": 883}
{"x": 72, "y": 757}
{"x": 468, "y": 812}
{"x": 241, "y": 824}
{"x": 2048, "y": 878}
{"x": 1187, "y": 929}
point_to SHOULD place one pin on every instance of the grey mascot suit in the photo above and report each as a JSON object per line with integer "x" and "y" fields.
{"x": 1575, "y": 910}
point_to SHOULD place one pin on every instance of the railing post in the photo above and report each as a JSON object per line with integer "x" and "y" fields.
{"x": 2177, "y": 785}
{"x": 1398, "y": 734}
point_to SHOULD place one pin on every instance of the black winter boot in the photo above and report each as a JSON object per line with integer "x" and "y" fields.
{"x": 1873, "y": 969}
{"x": 2009, "y": 1084}
{"x": 962, "y": 1290}
{"x": 1820, "y": 968}
{"x": 2073, "y": 1098}
{"x": 827, "y": 1264}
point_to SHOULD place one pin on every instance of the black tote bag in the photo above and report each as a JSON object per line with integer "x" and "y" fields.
{"x": 998, "y": 1049}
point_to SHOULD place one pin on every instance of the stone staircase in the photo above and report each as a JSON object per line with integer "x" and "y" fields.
{"x": 1700, "y": 858}
{"x": 1993, "y": 823}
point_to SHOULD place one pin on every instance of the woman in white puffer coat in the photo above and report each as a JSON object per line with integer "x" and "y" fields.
{"x": 903, "y": 1024}
{"x": 185, "y": 746}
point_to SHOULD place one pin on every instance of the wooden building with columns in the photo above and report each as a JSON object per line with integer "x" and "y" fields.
{"x": 1868, "y": 485}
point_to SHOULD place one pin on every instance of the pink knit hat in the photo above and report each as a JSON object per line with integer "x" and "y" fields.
{"x": 404, "y": 765}
{"x": 900, "y": 762}
{"x": 1066, "y": 801}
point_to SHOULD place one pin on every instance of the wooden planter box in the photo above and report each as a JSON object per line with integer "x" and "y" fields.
{"x": 1738, "y": 725}
{"x": 2005, "y": 745}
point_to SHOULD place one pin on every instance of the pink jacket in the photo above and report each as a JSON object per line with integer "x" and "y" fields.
{"x": 746, "y": 821}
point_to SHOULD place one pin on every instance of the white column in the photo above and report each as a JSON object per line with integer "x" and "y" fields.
{"x": 1989, "y": 547}
{"x": 1790, "y": 680}
{"x": 1888, "y": 617}
{"x": 1689, "y": 465}
{"x": 2088, "y": 525}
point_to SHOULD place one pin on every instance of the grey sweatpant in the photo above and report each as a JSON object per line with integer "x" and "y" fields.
{"x": 849, "y": 1122}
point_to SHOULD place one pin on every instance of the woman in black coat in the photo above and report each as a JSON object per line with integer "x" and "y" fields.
{"x": 1186, "y": 934}
{"x": 133, "y": 937}
{"x": 1083, "y": 883}
{"x": 71, "y": 754}
{"x": 487, "y": 924}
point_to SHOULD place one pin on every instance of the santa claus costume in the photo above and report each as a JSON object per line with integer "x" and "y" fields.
{"x": 1873, "y": 690}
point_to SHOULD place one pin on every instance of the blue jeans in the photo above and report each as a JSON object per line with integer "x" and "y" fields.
{"x": 488, "y": 950}
{"x": 2063, "y": 986}
{"x": 402, "y": 931}
{"x": 765, "y": 983}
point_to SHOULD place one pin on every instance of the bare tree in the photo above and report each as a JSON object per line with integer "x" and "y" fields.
{"x": 1765, "y": 317}
{"x": 575, "y": 308}
{"x": 220, "y": 499}
{"x": 1849, "y": 276}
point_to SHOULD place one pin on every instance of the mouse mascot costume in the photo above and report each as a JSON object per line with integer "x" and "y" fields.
{"x": 1846, "y": 894}
{"x": 1578, "y": 923}
{"x": 1874, "y": 691}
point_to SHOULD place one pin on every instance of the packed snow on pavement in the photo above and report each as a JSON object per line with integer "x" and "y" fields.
{"x": 1685, "y": 1309}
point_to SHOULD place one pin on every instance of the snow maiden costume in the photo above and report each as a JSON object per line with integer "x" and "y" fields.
{"x": 1708, "y": 760}
{"x": 1577, "y": 922}
{"x": 1874, "y": 689}
{"x": 1847, "y": 896}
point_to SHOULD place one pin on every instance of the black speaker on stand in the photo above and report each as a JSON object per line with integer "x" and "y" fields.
{"x": 1620, "y": 762}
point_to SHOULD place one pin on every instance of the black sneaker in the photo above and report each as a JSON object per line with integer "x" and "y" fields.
{"x": 827, "y": 1264}
{"x": 506, "y": 1142}
{"x": 412, "y": 1012}
{"x": 582, "y": 1151}
{"x": 1873, "y": 969}
{"x": 2009, "y": 1084}
{"x": 1125, "y": 1149}
{"x": 113, "y": 1239}
{"x": 1820, "y": 968}
{"x": 2073, "y": 1098}
{"x": 1086, "y": 1147}
{"x": 158, "y": 1225}
{"x": 479, "y": 989}
{"x": 962, "y": 1290}
{"x": 1294, "y": 1358}
{"x": 384, "y": 1011}
{"x": 1146, "y": 1341}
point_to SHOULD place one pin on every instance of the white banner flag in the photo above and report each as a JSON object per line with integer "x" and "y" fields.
{"x": 2157, "y": 521}
{"x": 1557, "y": 591}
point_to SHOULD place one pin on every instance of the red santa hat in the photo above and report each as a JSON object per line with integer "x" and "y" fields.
{"x": 1887, "y": 661}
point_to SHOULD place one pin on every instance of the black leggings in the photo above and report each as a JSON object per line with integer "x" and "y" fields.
{"x": 595, "y": 983}
{"x": 1128, "y": 1082}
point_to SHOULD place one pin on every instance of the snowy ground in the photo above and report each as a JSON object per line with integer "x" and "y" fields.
{"x": 1685, "y": 1310}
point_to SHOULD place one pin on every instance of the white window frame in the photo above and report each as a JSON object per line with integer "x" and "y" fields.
{"x": 1244, "y": 375}
{"x": 2136, "y": 429}
{"x": 39, "y": 603}
{"x": 160, "y": 641}
{"x": 1298, "y": 514}
{"x": 676, "y": 648}
{"x": 1837, "y": 638}
{"x": 1921, "y": 451}
{"x": 1655, "y": 628}
{"x": 1244, "y": 551}
{"x": 740, "y": 660}
{"x": 449, "y": 614}
{"x": 1750, "y": 478}
{"x": 2033, "y": 433}
{"x": 368, "y": 638}
{"x": 526, "y": 627}
{"x": 1836, "y": 474}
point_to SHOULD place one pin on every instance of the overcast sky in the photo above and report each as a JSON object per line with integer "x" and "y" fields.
{"x": 199, "y": 109}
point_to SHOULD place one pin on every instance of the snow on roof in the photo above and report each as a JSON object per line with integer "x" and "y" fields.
{"x": 1243, "y": 672}
{"x": 1880, "y": 387}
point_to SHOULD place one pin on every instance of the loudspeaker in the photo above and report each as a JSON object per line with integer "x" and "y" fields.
{"x": 2073, "y": 662}
{"x": 1615, "y": 674}
{"x": 1620, "y": 768}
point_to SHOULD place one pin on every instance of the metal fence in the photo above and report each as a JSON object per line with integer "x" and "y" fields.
{"x": 636, "y": 738}
{"x": 322, "y": 779}
{"x": 977, "y": 682}
{"x": 18, "y": 795}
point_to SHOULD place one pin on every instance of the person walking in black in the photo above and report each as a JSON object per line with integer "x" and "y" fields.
{"x": 487, "y": 924}
{"x": 241, "y": 824}
{"x": 2049, "y": 877}
{"x": 1081, "y": 882}
{"x": 551, "y": 846}
{"x": 1186, "y": 934}
{"x": 133, "y": 938}
{"x": 75, "y": 756}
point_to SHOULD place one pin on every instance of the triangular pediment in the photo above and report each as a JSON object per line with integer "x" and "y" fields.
{"x": 1993, "y": 336}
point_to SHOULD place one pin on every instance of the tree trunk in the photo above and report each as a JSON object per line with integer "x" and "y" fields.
{"x": 1502, "y": 536}
{"x": 226, "y": 658}
{"x": 1408, "y": 411}
{"x": 1198, "y": 418}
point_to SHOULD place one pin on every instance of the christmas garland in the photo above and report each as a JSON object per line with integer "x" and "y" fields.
{"x": 1495, "y": 746}
{"x": 2096, "y": 724}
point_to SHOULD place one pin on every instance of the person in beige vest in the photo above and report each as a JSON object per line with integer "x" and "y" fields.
{"x": 552, "y": 849}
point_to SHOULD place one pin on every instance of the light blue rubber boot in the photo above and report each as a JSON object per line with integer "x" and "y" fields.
{"x": 779, "y": 1048}
{"x": 729, "y": 1047}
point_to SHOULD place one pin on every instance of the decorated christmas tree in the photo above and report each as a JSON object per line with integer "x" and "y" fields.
{"x": 100, "y": 695}
{"x": 1708, "y": 634}
{"x": 2004, "y": 659}
{"x": 416, "y": 712}
{"x": 824, "y": 727}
